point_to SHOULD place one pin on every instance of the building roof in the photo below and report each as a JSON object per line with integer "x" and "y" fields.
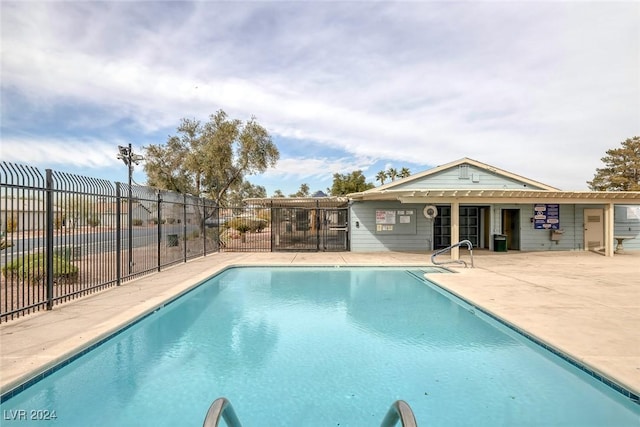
{"x": 514, "y": 196}
{"x": 532, "y": 191}
{"x": 465, "y": 160}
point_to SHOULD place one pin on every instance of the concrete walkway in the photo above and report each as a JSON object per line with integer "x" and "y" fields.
{"x": 582, "y": 303}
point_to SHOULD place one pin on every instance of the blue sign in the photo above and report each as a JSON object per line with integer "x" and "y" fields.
{"x": 546, "y": 217}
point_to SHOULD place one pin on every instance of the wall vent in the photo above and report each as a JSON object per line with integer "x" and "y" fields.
{"x": 463, "y": 172}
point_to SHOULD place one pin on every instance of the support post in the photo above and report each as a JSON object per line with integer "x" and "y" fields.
{"x": 118, "y": 233}
{"x": 609, "y": 229}
{"x": 49, "y": 242}
{"x": 455, "y": 230}
{"x": 130, "y": 215}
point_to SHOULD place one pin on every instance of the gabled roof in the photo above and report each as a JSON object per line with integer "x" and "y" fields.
{"x": 492, "y": 169}
{"x": 530, "y": 192}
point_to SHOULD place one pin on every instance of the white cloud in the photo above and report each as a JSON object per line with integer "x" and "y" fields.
{"x": 88, "y": 153}
{"x": 542, "y": 89}
{"x": 318, "y": 168}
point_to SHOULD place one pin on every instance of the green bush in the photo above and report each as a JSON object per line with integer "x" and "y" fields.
{"x": 244, "y": 225}
{"x": 33, "y": 268}
{"x": 11, "y": 225}
{"x": 93, "y": 220}
{"x": 137, "y": 221}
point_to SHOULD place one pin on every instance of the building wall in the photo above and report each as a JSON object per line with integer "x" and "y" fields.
{"x": 627, "y": 223}
{"x": 476, "y": 178}
{"x": 365, "y": 238}
{"x": 532, "y": 239}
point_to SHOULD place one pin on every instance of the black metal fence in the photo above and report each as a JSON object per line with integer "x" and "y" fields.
{"x": 280, "y": 229}
{"x": 63, "y": 236}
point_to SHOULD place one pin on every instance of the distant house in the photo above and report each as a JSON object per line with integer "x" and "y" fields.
{"x": 494, "y": 209}
{"x": 23, "y": 214}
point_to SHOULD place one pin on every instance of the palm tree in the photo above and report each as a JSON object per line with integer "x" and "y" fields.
{"x": 404, "y": 172}
{"x": 392, "y": 173}
{"x": 382, "y": 175}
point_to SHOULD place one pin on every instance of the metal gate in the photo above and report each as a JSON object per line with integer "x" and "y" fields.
{"x": 309, "y": 229}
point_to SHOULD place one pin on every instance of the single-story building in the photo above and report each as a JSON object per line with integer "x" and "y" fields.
{"x": 493, "y": 209}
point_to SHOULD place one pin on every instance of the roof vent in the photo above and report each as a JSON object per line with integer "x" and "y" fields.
{"x": 463, "y": 171}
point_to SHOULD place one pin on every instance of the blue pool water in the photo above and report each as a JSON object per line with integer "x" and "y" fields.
{"x": 320, "y": 347}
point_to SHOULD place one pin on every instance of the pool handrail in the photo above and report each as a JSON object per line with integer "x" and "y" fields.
{"x": 454, "y": 261}
{"x": 221, "y": 407}
{"x": 399, "y": 411}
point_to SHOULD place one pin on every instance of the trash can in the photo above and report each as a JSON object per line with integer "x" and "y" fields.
{"x": 500, "y": 243}
{"x": 172, "y": 240}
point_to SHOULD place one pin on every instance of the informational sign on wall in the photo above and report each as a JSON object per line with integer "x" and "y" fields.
{"x": 395, "y": 221}
{"x": 546, "y": 217}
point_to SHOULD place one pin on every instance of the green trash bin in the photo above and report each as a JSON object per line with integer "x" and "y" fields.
{"x": 500, "y": 243}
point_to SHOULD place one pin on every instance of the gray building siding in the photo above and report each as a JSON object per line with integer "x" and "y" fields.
{"x": 472, "y": 178}
{"x": 532, "y": 239}
{"x": 627, "y": 223}
{"x": 364, "y": 235}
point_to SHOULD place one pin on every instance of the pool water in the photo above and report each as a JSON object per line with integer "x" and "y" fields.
{"x": 320, "y": 347}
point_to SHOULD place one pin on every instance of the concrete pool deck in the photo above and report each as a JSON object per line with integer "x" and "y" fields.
{"x": 581, "y": 303}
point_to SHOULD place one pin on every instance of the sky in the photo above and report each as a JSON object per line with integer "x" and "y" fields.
{"x": 540, "y": 89}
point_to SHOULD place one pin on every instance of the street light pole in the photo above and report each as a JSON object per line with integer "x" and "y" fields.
{"x": 129, "y": 159}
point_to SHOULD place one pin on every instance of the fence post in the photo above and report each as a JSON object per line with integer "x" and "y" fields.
{"x": 203, "y": 227}
{"x": 49, "y": 241}
{"x": 272, "y": 227}
{"x": 118, "y": 234}
{"x": 159, "y": 226}
{"x": 317, "y": 222}
{"x": 184, "y": 225}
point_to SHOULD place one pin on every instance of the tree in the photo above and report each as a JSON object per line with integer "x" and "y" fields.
{"x": 302, "y": 192}
{"x": 392, "y": 173}
{"x": 349, "y": 183}
{"x": 404, "y": 173}
{"x": 210, "y": 158}
{"x": 622, "y": 168}
{"x": 278, "y": 193}
{"x": 381, "y": 176}
{"x": 246, "y": 190}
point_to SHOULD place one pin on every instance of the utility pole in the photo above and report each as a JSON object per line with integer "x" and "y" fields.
{"x": 129, "y": 159}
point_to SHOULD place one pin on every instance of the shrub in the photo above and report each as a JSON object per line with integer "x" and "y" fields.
{"x": 58, "y": 221}
{"x": 33, "y": 268}
{"x": 244, "y": 225}
{"x": 243, "y": 228}
{"x": 137, "y": 221}
{"x": 12, "y": 225}
{"x": 93, "y": 220}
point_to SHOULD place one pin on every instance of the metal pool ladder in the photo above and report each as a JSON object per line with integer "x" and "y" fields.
{"x": 456, "y": 261}
{"x": 221, "y": 408}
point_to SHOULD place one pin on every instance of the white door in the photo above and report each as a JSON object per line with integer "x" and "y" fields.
{"x": 593, "y": 229}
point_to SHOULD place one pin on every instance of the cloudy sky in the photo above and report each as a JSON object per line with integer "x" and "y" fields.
{"x": 541, "y": 89}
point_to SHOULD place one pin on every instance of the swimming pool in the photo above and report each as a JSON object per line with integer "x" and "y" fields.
{"x": 320, "y": 346}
